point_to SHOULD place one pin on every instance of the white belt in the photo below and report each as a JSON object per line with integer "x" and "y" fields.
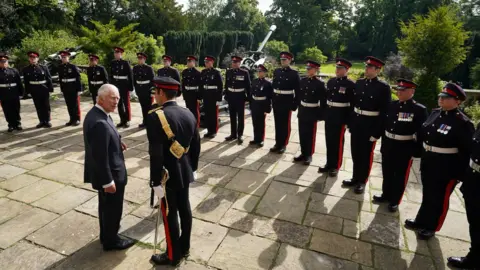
{"x": 96, "y": 82}
{"x": 120, "y": 77}
{"x": 260, "y": 98}
{"x": 236, "y": 89}
{"x": 211, "y": 87}
{"x": 474, "y": 166}
{"x": 284, "y": 92}
{"x": 366, "y": 113}
{"x": 191, "y": 88}
{"x": 69, "y": 80}
{"x": 440, "y": 150}
{"x": 143, "y": 82}
{"x": 8, "y": 85}
{"x": 310, "y": 105}
{"x": 338, "y": 104}
{"x": 38, "y": 82}
{"x": 399, "y": 137}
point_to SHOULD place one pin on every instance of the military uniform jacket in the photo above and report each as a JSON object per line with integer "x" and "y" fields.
{"x": 170, "y": 72}
{"x": 311, "y": 99}
{"x": 237, "y": 85}
{"x": 475, "y": 148}
{"x": 262, "y": 92}
{"x": 211, "y": 85}
{"x": 69, "y": 77}
{"x": 97, "y": 76}
{"x": 121, "y": 75}
{"x": 339, "y": 100}
{"x": 37, "y": 79}
{"x": 191, "y": 84}
{"x": 184, "y": 126}
{"x": 371, "y": 95}
{"x": 11, "y": 86}
{"x": 403, "y": 118}
{"x": 448, "y": 129}
{"x": 143, "y": 79}
{"x": 286, "y": 83}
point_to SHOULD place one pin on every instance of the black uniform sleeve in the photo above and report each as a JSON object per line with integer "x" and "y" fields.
{"x": 79, "y": 80}
{"x": 110, "y": 75}
{"x": 296, "y": 83}
{"x": 201, "y": 86}
{"x": 385, "y": 100}
{"x": 465, "y": 147}
{"x": 351, "y": 96}
{"x": 155, "y": 149}
{"x": 419, "y": 120}
{"x": 48, "y": 78}
{"x": 268, "y": 88}
{"x": 99, "y": 142}
{"x": 322, "y": 96}
{"x": 194, "y": 150}
{"x": 18, "y": 81}
{"x": 198, "y": 82}
{"x": 219, "y": 85}
{"x": 105, "y": 75}
{"x": 130, "y": 76}
{"x": 248, "y": 86}
{"x": 176, "y": 76}
{"x": 26, "y": 80}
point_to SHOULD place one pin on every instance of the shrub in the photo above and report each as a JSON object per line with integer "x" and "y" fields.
{"x": 475, "y": 74}
{"x": 274, "y": 47}
{"x": 313, "y": 53}
{"x": 473, "y": 112}
{"x": 394, "y": 69}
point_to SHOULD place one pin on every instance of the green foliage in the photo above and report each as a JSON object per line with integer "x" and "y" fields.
{"x": 45, "y": 42}
{"x": 274, "y": 47}
{"x": 213, "y": 44}
{"x": 81, "y": 59}
{"x": 313, "y": 53}
{"x": 428, "y": 88}
{"x": 201, "y": 13}
{"x": 473, "y": 112}
{"x": 394, "y": 69}
{"x": 245, "y": 40}
{"x": 475, "y": 74}
{"x": 181, "y": 44}
{"x": 84, "y": 80}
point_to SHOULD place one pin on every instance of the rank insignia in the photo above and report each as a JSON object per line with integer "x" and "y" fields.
{"x": 341, "y": 90}
{"x": 405, "y": 117}
{"x": 444, "y": 129}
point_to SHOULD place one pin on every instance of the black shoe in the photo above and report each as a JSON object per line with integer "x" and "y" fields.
{"x": 333, "y": 173}
{"x": 282, "y": 150}
{"x": 210, "y": 135}
{"x": 426, "y": 234}
{"x": 379, "y": 198}
{"x": 323, "y": 169}
{"x": 240, "y": 140}
{"x": 252, "y": 143}
{"x": 349, "y": 183}
{"x": 40, "y": 125}
{"x": 299, "y": 158}
{"x": 76, "y": 123}
{"x": 393, "y": 207}
{"x": 142, "y": 125}
{"x": 162, "y": 259}
{"x": 69, "y": 123}
{"x": 19, "y": 127}
{"x": 119, "y": 244}
{"x": 186, "y": 254}
{"x": 119, "y": 125}
{"x": 10, "y": 129}
{"x": 47, "y": 125}
{"x": 260, "y": 144}
{"x": 126, "y": 125}
{"x": 412, "y": 225}
{"x": 274, "y": 149}
{"x": 462, "y": 263}
{"x": 307, "y": 160}
{"x": 359, "y": 189}
{"x": 230, "y": 138}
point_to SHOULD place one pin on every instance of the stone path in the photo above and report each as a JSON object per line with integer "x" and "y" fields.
{"x": 252, "y": 209}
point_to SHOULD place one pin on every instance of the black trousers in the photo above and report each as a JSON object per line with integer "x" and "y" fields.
{"x": 41, "y": 100}
{"x": 258, "y": 121}
{"x": 178, "y": 204}
{"x": 73, "y": 104}
{"x": 236, "y": 109}
{"x": 124, "y": 110}
{"x": 194, "y": 106}
{"x": 146, "y": 101}
{"x": 211, "y": 116}
{"x": 110, "y": 208}
{"x": 335, "y": 140}
{"x": 470, "y": 188}
{"x": 283, "y": 123}
{"x": 308, "y": 133}
{"x": 94, "y": 93}
{"x": 11, "y": 109}
{"x": 437, "y": 188}
{"x": 362, "y": 157}
{"x": 396, "y": 170}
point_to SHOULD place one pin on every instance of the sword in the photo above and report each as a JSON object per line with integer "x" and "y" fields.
{"x": 152, "y": 197}
{"x": 159, "y": 212}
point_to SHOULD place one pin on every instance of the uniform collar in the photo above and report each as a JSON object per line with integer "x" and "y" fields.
{"x": 342, "y": 78}
{"x": 286, "y": 68}
{"x": 409, "y": 101}
{"x": 372, "y": 80}
{"x": 449, "y": 112}
{"x": 169, "y": 103}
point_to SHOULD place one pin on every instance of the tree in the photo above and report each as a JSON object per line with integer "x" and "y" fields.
{"x": 435, "y": 45}
{"x": 200, "y": 12}
{"x": 313, "y": 53}
{"x": 274, "y": 47}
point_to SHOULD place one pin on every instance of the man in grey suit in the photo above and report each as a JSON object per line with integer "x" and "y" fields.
{"x": 105, "y": 166}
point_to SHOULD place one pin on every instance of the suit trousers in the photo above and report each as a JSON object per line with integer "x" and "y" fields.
{"x": 211, "y": 116}
{"x": 335, "y": 140}
{"x": 146, "y": 101}
{"x": 258, "y": 121}
{"x": 41, "y": 100}
{"x": 11, "y": 109}
{"x": 124, "y": 110}
{"x": 283, "y": 124}
{"x": 362, "y": 157}
{"x": 110, "y": 208}
{"x": 308, "y": 133}
{"x": 73, "y": 104}
{"x": 236, "y": 109}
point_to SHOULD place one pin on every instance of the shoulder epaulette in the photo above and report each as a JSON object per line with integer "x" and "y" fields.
{"x": 155, "y": 109}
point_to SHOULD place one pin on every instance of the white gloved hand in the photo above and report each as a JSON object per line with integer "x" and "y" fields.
{"x": 79, "y": 93}
{"x": 373, "y": 139}
{"x": 159, "y": 191}
{"x": 195, "y": 175}
{"x": 219, "y": 103}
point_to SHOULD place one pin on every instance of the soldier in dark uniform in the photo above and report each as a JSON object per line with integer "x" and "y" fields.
{"x": 470, "y": 188}
{"x": 11, "y": 90}
{"x": 71, "y": 87}
{"x": 286, "y": 83}
{"x": 237, "y": 91}
{"x": 404, "y": 120}
{"x": 446, "y": 137}
{"x": 371, "y": 99}
{"x": 143, "y": 81}
{"x": 174, "y": 147}
{"x": 97, "y": 76}
{"x": 169, "y": 71}
{"x": 339, "y": 108}
{"x": 312, "y": 103}
{"x": 38, "y": 83}
{"x": 211, "y": 92}
{"x": 260, "y": 104}
{"x": 191, "y": 87}
{"x": 121, "y": 76}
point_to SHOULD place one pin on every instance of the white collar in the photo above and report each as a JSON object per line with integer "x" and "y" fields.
{"x": 101, "y": 108}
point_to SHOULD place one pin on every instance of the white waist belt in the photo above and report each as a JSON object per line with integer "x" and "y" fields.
{"x": 399, "y": 137}
{"x": 96, "y": 82}
{"x": 366, "y": 113}
{"x": 69, "y": 80}
{"x": 191, "y": 88}
{"x": 440, "y": 150}
{"x": 120, "y": 77}
{"x": 143, "y": 82}
{"x": 310, "y": 105}
{"x": 474, "y": 166}
{"x": 38, "y": 82}
{"x": 260, "y": 98}
{"x": 338, "y": 104}
{"x": 8, "y": 85}
{"x": 284, "y": 92}
{"x": 211, "y": 87}
{"x": 236, "y": 89}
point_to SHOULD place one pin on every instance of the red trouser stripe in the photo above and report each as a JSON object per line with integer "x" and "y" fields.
{"x": 407, "y": 174}
{"x": 340, "y": 147}
{"x": 167, "y": 231}
{"x": 314, "y": 137}
{"x": 79, "y": 112}
{"x": 371, "y": 161}
{"x": 289, "y": 129}
{"x": 198, "y": 114}
{"x": 446, "y": 203}
{"x": 216, "y": 120}
{"x": 129, "y": 111}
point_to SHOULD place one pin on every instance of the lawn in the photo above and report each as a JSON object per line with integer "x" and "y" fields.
{"x": 329, "y": 68}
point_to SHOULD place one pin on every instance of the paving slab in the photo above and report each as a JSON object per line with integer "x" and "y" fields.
{"x": 19, "y": 182}
{"x": 284, "y": 201}
{"x": 387, "y": 258}
{"x": 334, "y": 206}
{"x": 10, "y": 209}
{"x": 333, "y": 186}
{"x": 323, "y": 222}
{"x": 63, "y": 171}
{"x": 24, "y": 255}
{"x": 91, "y": 207}
{"x": 142, "y": 230}
{"x": 246, "y": 202}
{"x": 381, "y": 229}
{"x": 137, "y": 190}
{"x": 144, "y": 211}
{"x": 247, "y": 164}
{"x": 205, "y": 239}
{"x": 256, "y": 252}
{"x": 351, "y": 229}
{"x": 214, "y": 174}
{"x": 64, "y": 199}
{"x": 250, "y": 182}
{"x": 455, "y": 226}
{"x": 442, "y": 248}
{"x": 35, "y": 191}
{"x": 215, "y": 205}
{"x": 8, "y": 171}
{"x": 138, "y": 167}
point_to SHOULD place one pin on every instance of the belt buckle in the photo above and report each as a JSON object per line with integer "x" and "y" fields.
{"x": 393, "y": 135}
{"x": 428, "y": 148}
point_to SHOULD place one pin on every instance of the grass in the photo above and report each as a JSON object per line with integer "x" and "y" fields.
{"x": 329, "y": 68}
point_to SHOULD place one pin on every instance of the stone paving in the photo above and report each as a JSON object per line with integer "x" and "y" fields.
{"x": 252, "y": 209}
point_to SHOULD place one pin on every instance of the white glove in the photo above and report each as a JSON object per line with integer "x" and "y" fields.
{"x": 195, "y": 175}
{"x": 219, "y": 103}
{"x": 79, "y": 93}
{"x": 373, "y": 139}
{"x": 159, "y": 191}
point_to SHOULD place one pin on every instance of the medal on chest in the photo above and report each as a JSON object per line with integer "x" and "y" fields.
{"x": 444, "y": 129}
{"x": 405, "y": 117}
{"x": 98, "y": 72}
{"x": 69, "y": 70}
{"x": 341, "y": 90}
{"x": 240, "y": 78}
